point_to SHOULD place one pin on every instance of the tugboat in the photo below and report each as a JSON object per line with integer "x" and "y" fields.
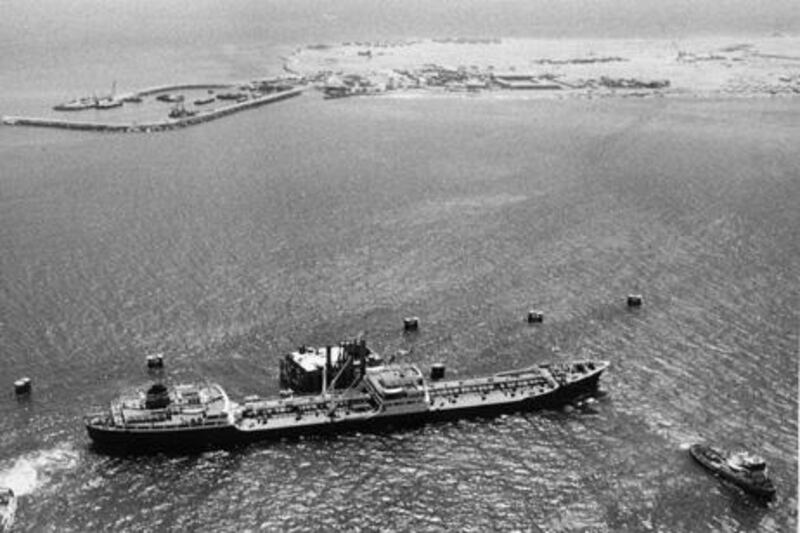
{"x": 170, "y": 98}
{"x": 396, "y": 395}
{"x": 8, "y": 508}
{"x": 741, "y": 468}
{"x": 109, "y": 102}
{"x": 203, "y": 101}
{"x": 77, "y": 105}
{"x": 231, "y": 96}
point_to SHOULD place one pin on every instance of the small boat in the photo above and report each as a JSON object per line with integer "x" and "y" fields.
{"x": 231, "y": 96}
{"x": 746, "y": 470}
{"x": 170, "y": 98}
{"x": 8, "y": 508}
{"x": 77, "y": 105}
{"x": 108, "y": 103}
{"x": 179, "y": 111}
{"x": 204, "y": 101}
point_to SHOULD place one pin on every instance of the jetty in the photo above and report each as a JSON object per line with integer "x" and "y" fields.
{"x": 161, "y": 125}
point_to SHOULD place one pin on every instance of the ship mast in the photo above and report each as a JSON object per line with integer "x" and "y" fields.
{"x": 325, "y": 373}
{"x": 333, "y": 403}
{"x": 341, "y": 370}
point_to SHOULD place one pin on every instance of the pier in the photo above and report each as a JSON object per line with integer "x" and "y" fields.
{"x": 161, "y": 125}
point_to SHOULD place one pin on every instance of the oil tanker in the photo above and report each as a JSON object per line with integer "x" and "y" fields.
{"x": 201, "y": 415}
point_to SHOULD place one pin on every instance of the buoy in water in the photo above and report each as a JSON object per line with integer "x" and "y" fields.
{"x": 22, "y": 386}
{"x": 535, "y": 317}
{"x": 155, "y": 360}
{"x": 634, "y": 300}
{"x": 437, "y": 371}
{"x": 411, "y": 323}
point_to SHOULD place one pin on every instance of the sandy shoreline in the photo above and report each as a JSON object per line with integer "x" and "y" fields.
{"x": 562, "y": 68}
{"x": 491, "y": 68}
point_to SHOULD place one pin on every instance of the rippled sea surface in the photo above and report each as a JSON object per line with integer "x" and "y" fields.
{"x": 309, "y": 221}
{"x": 227, "y": 245}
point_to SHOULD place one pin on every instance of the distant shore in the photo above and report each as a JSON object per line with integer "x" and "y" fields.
{"x": 555, "y": 68}
{"x": 518, "y": 68}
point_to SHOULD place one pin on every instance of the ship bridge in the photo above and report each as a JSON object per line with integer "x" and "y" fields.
{"x": 398, "y": 388}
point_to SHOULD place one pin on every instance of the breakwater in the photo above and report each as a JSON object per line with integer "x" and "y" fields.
{"x": 161, "y": 125}
{"x": 184, "y": 87}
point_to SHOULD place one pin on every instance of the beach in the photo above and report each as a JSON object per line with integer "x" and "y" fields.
{"x": 505, "y": 68}
{"x": 565, "y": 68}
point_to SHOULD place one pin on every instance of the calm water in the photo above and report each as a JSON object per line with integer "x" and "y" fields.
{"x": 309, "y": 221}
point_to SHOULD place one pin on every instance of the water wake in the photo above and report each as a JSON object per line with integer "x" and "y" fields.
{"x": 34, "y": 470}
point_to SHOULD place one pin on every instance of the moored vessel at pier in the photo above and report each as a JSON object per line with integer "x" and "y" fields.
{"x": 78, "y": 104}
{"x": 396, "y": 395}
{"x": 108, "y": 103}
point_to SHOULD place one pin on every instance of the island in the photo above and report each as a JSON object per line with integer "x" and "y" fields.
{"x": 518, "y": 68}
{"x": 555, "y": 68}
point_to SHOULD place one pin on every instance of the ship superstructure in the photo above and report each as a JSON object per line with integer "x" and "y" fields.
{"x": 305, "y": 369}
{"x": 161, "y": 413}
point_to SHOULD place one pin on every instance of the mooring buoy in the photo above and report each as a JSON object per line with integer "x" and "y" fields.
{"x": 634, "y": 300}
{"x": 437, "y": 371}
{"x": 535, "y": 317}
{"x": 155, "y": 360}
{"x": 23, "y": 386}
{"x": 411, "y": 323}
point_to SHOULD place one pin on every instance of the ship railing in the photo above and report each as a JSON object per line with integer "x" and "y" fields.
{"x": 552, "y": 379}
{"x": 289, "y": 410}
{"x": 374, "y": 394}
{"x": 581, "y": 369}
{"x": 406, "y": 400}
{"x": 163, "y": 416}
{"x": 280, "y": 411}
{"x": 170, "y": 427}
{"x": 150, "y": 419}
{"x": 486, "y": 387}
{"x": 99, "y": 418}
{"x": 317, "y": 407}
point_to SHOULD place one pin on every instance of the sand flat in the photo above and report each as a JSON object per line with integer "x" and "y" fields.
{"x": 701, "y": 67}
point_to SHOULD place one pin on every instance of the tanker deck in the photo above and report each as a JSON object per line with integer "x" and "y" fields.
{"x": 386, "y": 396}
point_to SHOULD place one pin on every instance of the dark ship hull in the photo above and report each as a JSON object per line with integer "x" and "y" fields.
{"x": 135, "y": 441}
{"x": 446, "y": 401}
